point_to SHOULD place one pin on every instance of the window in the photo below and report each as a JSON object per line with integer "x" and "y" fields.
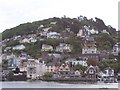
{"x": 66, "y": 69}
{"x": 91, "y": 72}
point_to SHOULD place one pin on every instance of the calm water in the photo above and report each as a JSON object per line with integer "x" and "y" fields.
{"x": 43, "y": 84}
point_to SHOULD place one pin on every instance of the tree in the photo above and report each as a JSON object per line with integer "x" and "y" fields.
{"x": 10, "y": 76}
{"x": 103, "y": 64}
{"x": 48, "y": 75}
{"x": 104, "y": 41}
{"x": 76, "y": 43}
{"x": 13, "y": 43}
{"x": 79, "y": 67}
{"x": 111, "y": 56}
{"x": 112, "y": 64}
{"x": 118, "y": 36}
{"x": 92, "y": 62}
{"x": 54, "y": 42}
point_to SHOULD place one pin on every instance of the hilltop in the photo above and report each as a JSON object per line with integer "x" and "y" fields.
{"x": 74, "y": 23}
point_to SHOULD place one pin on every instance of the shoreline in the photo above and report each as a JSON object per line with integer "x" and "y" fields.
{"x": 45, "y": 84}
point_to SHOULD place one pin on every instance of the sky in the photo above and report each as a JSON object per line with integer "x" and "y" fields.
{"x": 15, "y": 12}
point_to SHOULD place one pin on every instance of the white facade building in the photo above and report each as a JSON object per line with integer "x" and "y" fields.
{"x": 77, "y": 62}
{"x": 53, "y": 35}
{"x": 35, "y": 68}
{"x": 19, "y": 47}
{"x": 116, "y": 48}
{"x": 80, "y": 33}
{"x": 64, "y": 47}
{"x": 89, "y": 50}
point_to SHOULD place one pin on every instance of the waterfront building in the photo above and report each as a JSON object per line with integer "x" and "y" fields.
{"x": 64, "y": 70}
{"x": 92, "y": 72}
{"x": 107, "y": 74}
{"x": 51, "y": 68}
{"x": 31, "y": 68}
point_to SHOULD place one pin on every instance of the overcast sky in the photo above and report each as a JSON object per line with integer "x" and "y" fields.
{"x": 15, "y": 12}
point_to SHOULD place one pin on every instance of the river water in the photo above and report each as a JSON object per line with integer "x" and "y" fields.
{"x": 44, "y": 84}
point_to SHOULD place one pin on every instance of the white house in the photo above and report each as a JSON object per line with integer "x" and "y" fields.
{"x": 68, "y": 28}
{"x": 31, "y": 68}
{"x": 80, "y": 33}
{"x": 89, "y": 50}
{"x": 108, "y": 73}
{"x": 53, "y": 35}
{"x": 17, "y": 37}
{"x": 33, "y": 40}
{"x": 41, "y": 26}
{"x": 93, "y": 31}
{"x": 116, "y": 48}
{"x": 105, "y": 31}
{"x": 35, "y": 68}
{"x": 73, "y": 61}
{"x": 46, "y": 29}
{"x": 19, "y": 47}
{"x": 77, "y": 73}
{"x": 80, "y": 18}
{"x": 53, "y": 23}
{"x": 64, "y": 47}
{"x": 40, "y": 68}
{"x": 47, "y": 47}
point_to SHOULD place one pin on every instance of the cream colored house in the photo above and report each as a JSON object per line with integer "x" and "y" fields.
{"x": 76, "y": 62}
{"x": 64, "y": 70}
{"x": 46, "y": 47}
{"x": 53, "y": 23}
{"x": 25, "y": 40}
{"x": 64, "y": 48}
{"x": 50, "y": 67}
